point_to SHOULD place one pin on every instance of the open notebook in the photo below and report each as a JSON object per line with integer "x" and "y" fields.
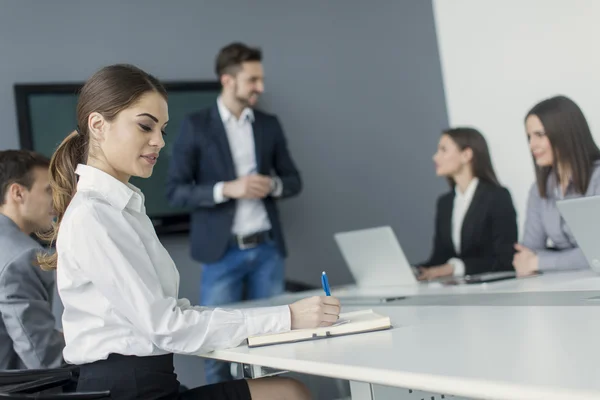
{"x": 349, "y": 323}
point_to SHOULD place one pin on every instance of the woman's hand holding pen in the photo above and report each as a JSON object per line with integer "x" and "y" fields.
{"x": 315, "y": 311}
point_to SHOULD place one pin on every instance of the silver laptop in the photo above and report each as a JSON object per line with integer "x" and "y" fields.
{"x": 582, "y": 216}
{"x": 375, "y": 258}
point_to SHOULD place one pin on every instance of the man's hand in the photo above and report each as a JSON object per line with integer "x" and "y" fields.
{"x": 248, "y": 187}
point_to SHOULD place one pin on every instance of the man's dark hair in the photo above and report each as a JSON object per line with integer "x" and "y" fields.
{"x": 16, "y": 166}
{"x": 230, "y": 58}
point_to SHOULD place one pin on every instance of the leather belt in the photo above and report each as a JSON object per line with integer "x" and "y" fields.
{"x": 250, "y": 241}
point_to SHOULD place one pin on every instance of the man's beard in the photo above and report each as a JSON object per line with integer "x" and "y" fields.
{"x": 245, "y": 101}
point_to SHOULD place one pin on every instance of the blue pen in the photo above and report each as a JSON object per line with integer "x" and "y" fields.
{"x": 325, "y": 284}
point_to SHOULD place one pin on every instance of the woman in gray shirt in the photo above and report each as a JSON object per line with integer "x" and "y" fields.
{"x": 567, "y": 165}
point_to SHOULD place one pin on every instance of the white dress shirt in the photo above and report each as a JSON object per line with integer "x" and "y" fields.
{"x": 119, "y": 285}
{"x": 462, "y": 202}
{"x": 251, "y": 215}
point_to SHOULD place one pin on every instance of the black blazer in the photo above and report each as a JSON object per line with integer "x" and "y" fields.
{"x": 488, "y": 234}
{"x": 202, "y": 157}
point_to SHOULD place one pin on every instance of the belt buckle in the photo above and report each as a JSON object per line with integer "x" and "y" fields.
{"x": 244, "y": 246}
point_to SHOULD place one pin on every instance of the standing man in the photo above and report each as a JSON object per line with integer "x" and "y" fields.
{"x": 28, "y": 339}
{"x": 230, "y": 163}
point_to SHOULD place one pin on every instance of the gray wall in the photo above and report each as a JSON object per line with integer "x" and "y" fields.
{"x": 357, "y": 87}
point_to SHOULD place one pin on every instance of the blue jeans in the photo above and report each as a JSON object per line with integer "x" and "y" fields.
{"x": 258, "y": 272}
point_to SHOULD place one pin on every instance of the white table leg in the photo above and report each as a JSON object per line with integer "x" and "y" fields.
{"x": 361, "y": 391}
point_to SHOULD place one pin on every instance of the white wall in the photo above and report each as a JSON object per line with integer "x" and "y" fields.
{"x": 500, "y": 58}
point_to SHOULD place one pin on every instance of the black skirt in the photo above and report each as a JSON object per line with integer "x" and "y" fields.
{"x": 149, "y": 378}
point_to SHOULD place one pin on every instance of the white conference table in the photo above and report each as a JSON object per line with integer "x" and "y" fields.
{"x": 479, "y": 352}
{"x": 585, "y": 280}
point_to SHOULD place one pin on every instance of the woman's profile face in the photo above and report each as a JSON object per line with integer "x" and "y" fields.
{"x": 130, "y": 144}
{"x": 539, "y": 144}
{"x": 449, "y": 158}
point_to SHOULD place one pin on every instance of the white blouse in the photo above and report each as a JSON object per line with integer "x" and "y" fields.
{"x": 462, "y": 202}
{"x": 119, "y": 285}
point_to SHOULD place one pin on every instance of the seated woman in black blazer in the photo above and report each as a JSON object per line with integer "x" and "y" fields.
{"x": 476, "y": 222}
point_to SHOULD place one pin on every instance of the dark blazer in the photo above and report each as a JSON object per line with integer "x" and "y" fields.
{"x": 202, "y": 157}
{"x": 489, "y": 231}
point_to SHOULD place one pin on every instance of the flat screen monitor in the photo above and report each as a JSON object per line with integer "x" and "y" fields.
{"x": 46, "y": 115}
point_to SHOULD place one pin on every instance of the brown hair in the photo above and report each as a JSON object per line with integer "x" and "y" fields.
{"x": 230, "y": 58}
{"x": 469, "y": 138}
{"x": 108, "y": 92}
{"x": 16, "y": 166}
{"x": 571, "y": 140}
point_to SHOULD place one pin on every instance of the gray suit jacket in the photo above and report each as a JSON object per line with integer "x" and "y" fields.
{"x": 28, "y": 338}
{"x": 544, "y": 222}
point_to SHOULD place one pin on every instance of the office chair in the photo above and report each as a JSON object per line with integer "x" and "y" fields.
{"x": 29, "y": 384}
{"x": 12, "y": 376}
{"x": 59, "y": 396}
{"x": 36, "y": 380}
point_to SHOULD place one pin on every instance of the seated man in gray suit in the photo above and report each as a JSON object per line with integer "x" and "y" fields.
{"x": 28, "y": 338}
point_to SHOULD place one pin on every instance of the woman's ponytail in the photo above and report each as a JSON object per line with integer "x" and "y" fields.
{"x": 72, "y": 151}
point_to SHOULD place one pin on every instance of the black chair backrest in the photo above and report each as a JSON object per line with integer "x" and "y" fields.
{"x": 60, "y": 396}
{"x": 12, "y": 377}
{"x": 38, "y": 386}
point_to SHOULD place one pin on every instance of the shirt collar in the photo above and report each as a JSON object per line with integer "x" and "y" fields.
{"x": 226, "y": 115}
{"x": 6, "y": 221}
{"x": 469, "y": 192}
{"x": 554, "y": 189}
{"x": 118, "y": 194}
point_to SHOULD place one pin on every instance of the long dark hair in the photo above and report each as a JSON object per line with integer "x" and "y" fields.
{"x": 108, "y": 92}
{"x": 481, "y": 163}
{"x": 571, "y": 140}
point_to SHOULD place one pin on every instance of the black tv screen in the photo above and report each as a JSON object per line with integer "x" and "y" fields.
{"x": 46, "y": 115}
